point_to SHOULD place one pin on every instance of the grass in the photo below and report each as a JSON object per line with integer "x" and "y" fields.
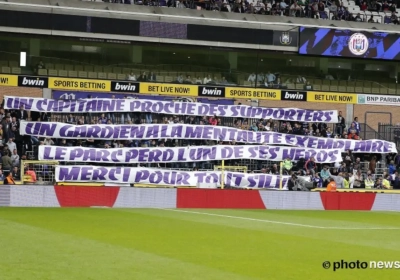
{"x": 90, "y": 243}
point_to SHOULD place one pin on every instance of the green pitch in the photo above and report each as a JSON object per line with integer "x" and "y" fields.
{"x": 116, "y": 244}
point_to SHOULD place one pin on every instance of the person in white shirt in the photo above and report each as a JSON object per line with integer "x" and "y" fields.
{"x": 132, "y": 77}
{"x": 283, "y": 5}
{"x": 207, "y": 79}
{"x": 301, "y": 80}
{"x": 270, "y": 78}
{"x": 15, "y": 158}
{"x": 48, "y": 142}
{"x": 11, "y": 145}
{"x": 252, "y": 78}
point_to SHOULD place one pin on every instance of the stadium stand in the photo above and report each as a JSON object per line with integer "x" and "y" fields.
{"x": 384, "y": 12}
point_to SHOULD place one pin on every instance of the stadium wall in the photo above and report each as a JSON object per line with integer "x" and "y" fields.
{"x": 122, "y": 197}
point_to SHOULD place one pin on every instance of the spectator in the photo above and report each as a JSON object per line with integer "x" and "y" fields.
{"x": 207, "y": 79}
{"x": 6, "y": 162}
{"x": 371, "y": 19}
{"x": 310, "y": 166}
{"x": 16, "y": 174}
{"x": 372, "y": 165}
{"x": 48, "y": 141}
{"x": 188, "y": 80}
{"x": 30, "y": 172}
{"x": 301, "y": 80}
{"x": 11, "y": 145}
{"x": 152, "y": 77}
{"x": 15, "y": 158}
{"x": 357, "y": 125}
{"x": 287, "y": 166}
{"x": 339, "y": 180}
{"x": 369, "y": 182}
{"x": 364, "y": 6}
{"x": 1, "y": 176}
{"x": 142, "y": 77}
{"x": 308, "y": 86}
{"x": 358, "y": 179}
{"x": 132, "y": 77}
{"x": 378, "y": 184}
{"x": 252, "y": 78}
{"x": 270, "y": 78}
{"x": 325, "y": 175}
{"x": 341, "y": 124}
{"x": 392, "y": 167}
{"x": 39, "y": 66}
{"x": 331, "y": 186}
{"x": 9, "y": 179}
{"x": 21, "y": 114}
{"x": 394, "y": 19}
{"x": 386, "y": 182}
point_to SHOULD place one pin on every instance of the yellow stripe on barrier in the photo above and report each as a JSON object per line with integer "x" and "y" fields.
{"x": 80, "y": 184}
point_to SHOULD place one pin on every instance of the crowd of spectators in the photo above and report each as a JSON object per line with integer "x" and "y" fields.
{"x": 16, "y": 147}
{"x": 350, "y": 173}
{"x": 359, "y": 11}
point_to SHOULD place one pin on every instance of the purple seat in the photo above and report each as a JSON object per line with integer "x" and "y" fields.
{"x": 323, "y": 15}
{"x": 387, "y": 20}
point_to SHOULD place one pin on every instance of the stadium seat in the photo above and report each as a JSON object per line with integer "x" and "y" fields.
{"x": 42, "y": 72}
{"x": 72, "y": 74}
{"x": 111, "y": 76}
{"x": 16, "y": 70}
{"x": 92, "y": 75}
{"x": 82, "y": 74}
{"x": 52, "y": 72}
{"x": 102, "y": 75}
{"x": 63, "y": 73}
{"x": 6, "y": 69}
{"x": 121, "y": 76}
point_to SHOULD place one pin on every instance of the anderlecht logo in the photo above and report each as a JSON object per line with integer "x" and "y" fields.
{"x": 358, "y": 44}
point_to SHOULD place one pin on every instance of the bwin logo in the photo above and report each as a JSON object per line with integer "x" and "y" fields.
{"x": 214, "y": 91}
{"x": 32, "y": 82}
{"x": 296, "y": 95}
{"x": 128, "y": 87}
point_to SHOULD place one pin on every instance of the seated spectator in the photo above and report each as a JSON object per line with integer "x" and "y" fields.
{"x": 301, "y": 80}
{"x": 207, "y": 79}
{"x": 333, "y": 8}
{"x": 1, "y": 176}
{"x": 353, "y": 135}
{"x": 331, "y": 187}
{"x": 310, "y": 165}
{"x": 152, "y": 77}
{"x": 295, "y": 10}
{"x": 353, "y": 128}
{"x": 378, "y": 184}
{"x": 132, "y": 77}
{"x": 394, "y": 18}
{"x": 213, "y": 120}
{"x": 223, "y": 81}
{"x": 16, "y": 174}
{"x": 386, "y": 182}
{"x": 142, "y": 77}
{"x": 270, "y": 78}
{"x": 48, "y": 141}
{"x": 9, "y": 179}
{"x": 39, "y": 66}
{"x": 198, "y": 81}
{"x": 371, "y": 19}
{"x": 325, "y": 174}
{"x": 252, "y": 78}
{"x": 358, "y": 18}
{"x": 188, "y": 80}
{"x": 15, "y": 158}
{"x": 30, "y": 172}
